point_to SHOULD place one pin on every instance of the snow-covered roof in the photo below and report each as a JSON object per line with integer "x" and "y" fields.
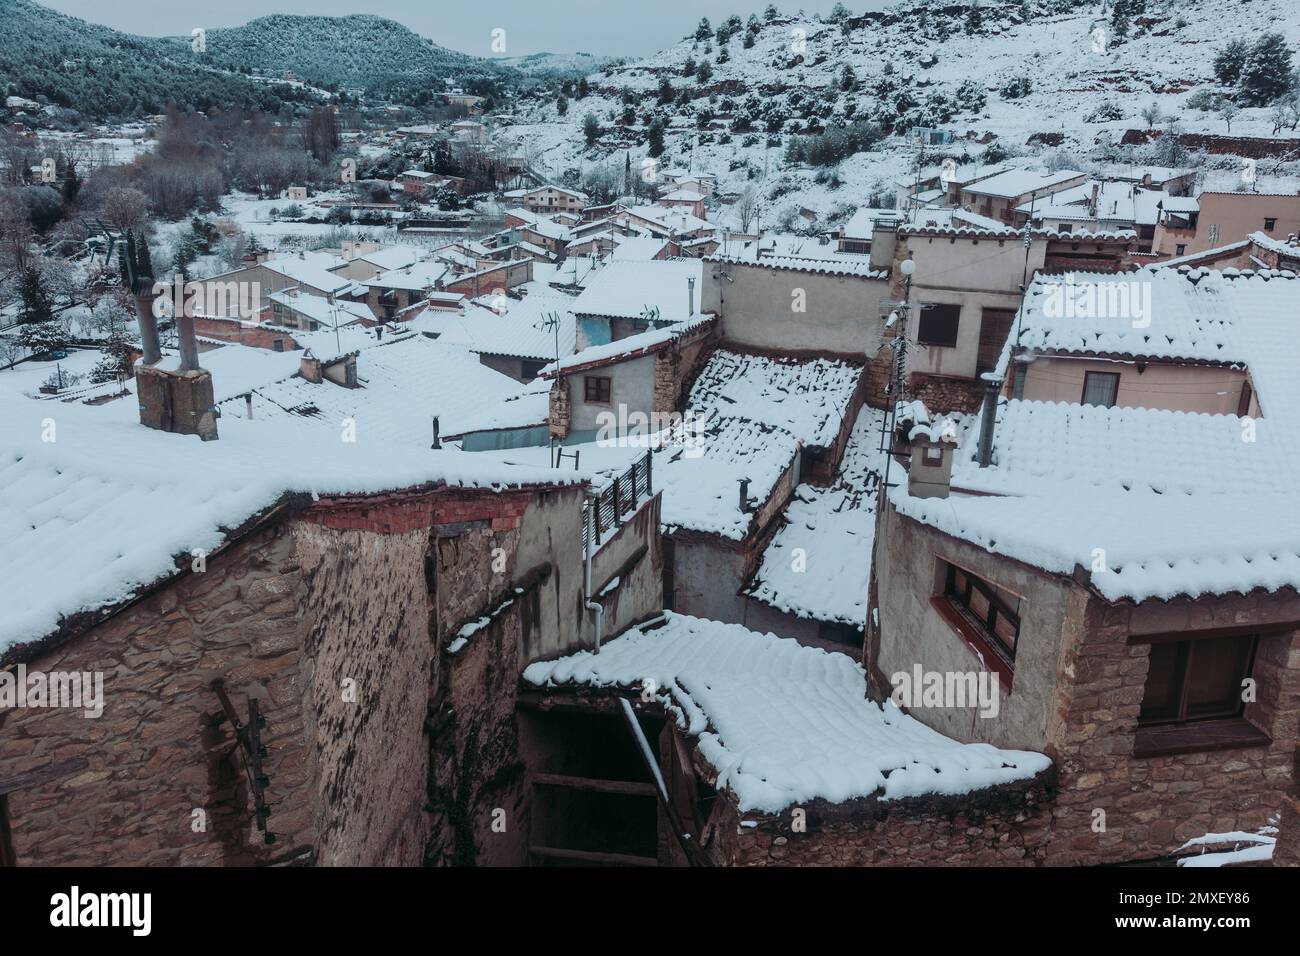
{"x": 625, "y": 289}
{"x": 1265, "y": 241}
{"x": 782, "y": 723}
{"x": 673, "y": 219}
{"x": 636, "y": 248}
{"x": 1021, "y": 182}
{"x": 1150, "y": 313}
{"x": 754, "y": 413}
{"x": 629, "y": 347}
{"x": 682, "y": 195}
{"x": 404, "y": 383}
{"x": 517, "y": 331}
{"x": 1176, "y": 503}
{"x": 394, "y": 257}
{"x": 530, "y": 406}
{"x": 320, "y": 309}
{"x": 99, "y": 514}
{"x": 862, "y": 224}
{"x": 311, "y": 269}
{"x": 824, "y": 524}
{"x": 415, "y": 278}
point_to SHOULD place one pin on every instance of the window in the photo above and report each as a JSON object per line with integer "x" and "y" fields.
{"x": 1065, "y": 227}
{"x": 1100, "y": 388}
{"x": 994, "y": 613}
{"x": 1180, "y": 249}
{"x": 530, "y": 368}
{"x": 1270, "y": 224}
{"x": 596, "y": 388}
{"x": 1197, "y": 679}
{"x": 278, "y": 345}
{"x": 938, "y": 325}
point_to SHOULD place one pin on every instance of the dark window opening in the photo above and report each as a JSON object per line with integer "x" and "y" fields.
{"x": 1270, "y": 224}
{"x": 991, "y": 610}
{"x": 1018, "y": 380}
{"x": 7, "y": 857}
{"x": 938, "y": 325}
{"x": 596, "y": 388}
{"x": 1100, "y": 388}
{"x": 1180, "y": 249}
{"x": 1196, "y": 680}
{"x": 530, "y": 368}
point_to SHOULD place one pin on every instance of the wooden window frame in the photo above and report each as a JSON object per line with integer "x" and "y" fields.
{"x": 979, "y": 635}
{"x": 1084, "y": 395}
{"x": 1184, "y": 734}
{"x": 608, "y": 389}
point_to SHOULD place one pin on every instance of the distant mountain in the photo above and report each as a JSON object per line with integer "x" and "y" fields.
{"x": 102, "y": 73}
{"x": 105, "y": 74}
{"x": 360, "y": 52}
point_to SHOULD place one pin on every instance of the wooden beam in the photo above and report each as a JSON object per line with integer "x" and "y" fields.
{"x": 629, "y": 787}
{"x": 591, "y": 856}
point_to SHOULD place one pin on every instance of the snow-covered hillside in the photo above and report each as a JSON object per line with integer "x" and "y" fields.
{"x": 1059, "y": 84}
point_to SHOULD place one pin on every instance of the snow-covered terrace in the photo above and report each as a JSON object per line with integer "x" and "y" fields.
{"x": 782, "y": 723}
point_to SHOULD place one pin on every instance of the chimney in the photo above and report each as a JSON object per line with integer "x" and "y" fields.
{"x": 744, "y": 494}
{"x": 185, "y": 337}
{"x": 690, "y": 297}
{"x": 310, "y": 368}
{"x": 929, "y": 475}
{"x": 437, "y": 441}
{"x": 145, "y": 299}
{"x": 988, "y": 417}
{"x": 1092, "y": 203}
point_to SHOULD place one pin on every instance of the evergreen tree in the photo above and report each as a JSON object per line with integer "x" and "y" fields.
{"x": 1266, "y": 74}
{"x": 655, "y": 137}
{"x": 36, "y": 305}
{"x": 590, "y": 128}
{"x": 704, "y": 30}
{"x": 561, "y": 105}
{"x": 974, "y": 19}
{"x": 770, "y": 12}
{"x": 1229, "y": 61}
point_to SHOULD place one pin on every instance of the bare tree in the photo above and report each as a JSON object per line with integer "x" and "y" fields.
{"x": 125, "y": 207}
{"x": 747, "y": 207}
{"x": 1151, "y": 114}
{"x": 1227, "y": 110}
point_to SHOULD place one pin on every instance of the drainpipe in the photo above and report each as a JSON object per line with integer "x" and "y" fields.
{"x": 598, "y": 609}
{"x": 988, "y": 416}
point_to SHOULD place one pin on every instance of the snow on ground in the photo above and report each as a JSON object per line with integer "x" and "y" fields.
{"x": 1071, "y": 76}
{"x": 782, "y": 723}
{"x": 819, "y": 564}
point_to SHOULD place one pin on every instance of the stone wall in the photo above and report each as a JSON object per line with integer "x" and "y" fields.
{"x": 155, "y": 757}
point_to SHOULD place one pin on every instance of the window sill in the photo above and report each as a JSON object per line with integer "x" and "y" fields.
{"x": 1228, "y": 733}
{"x": 977, "y": 642}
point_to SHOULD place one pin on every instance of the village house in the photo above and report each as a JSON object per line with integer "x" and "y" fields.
{"x": 1030, "y": 544}
{"x": 306, "y": 658}
{"x": 626, "y": 297}
{"x": 551, "y": 199}
{"x": 1232, "y": 216}
{"x": 998, "y": 197}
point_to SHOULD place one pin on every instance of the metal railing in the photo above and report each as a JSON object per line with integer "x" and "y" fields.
{"x": 616, "y": 500}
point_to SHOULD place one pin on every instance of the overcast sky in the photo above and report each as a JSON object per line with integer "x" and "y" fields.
{"x": 608, "y": 27}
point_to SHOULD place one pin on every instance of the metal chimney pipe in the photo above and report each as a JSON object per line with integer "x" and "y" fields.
{"x": 188, "y": 343}
{"x": 437, "y": 442}
{"x": 744, "y": 494}
{"x": 690, "y": 297}
{"x": 988, "y": 418}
